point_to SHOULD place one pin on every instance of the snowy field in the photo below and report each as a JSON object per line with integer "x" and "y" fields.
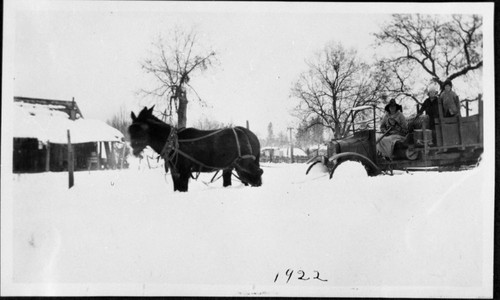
{"x": 126, "y": 232}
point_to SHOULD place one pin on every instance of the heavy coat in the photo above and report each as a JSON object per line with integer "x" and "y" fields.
{"x": 431, "y": 109}
{"x": 401, "y": 127}
{"x": 451, "y": 104}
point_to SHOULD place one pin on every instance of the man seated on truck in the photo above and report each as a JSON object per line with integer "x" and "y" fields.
{"x": 394, "y": 129}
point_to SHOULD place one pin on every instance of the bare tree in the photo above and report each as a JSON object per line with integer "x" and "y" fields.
{"x": 121, "y": 121}
{"x": 270, "y": 135}
{"x": 336, "y": 81}
{"x": 282, "y": 139}
{"x": 209, "y": 124}
{"x": 172, "y": 63}
{"x": 430, "y": 47}
{"x": 309, "y": 134}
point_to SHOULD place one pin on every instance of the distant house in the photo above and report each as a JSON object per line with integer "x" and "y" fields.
{"x": 314, "y": 150}
{"x": 282, "y": 154}
{"x": 40, "y": 135}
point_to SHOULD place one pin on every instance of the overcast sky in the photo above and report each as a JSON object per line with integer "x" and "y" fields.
{"x": 91, "y": 50}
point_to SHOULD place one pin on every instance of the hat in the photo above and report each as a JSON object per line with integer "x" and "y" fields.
{"x": 432, "y": 89}
{"x": 393, "y": 103}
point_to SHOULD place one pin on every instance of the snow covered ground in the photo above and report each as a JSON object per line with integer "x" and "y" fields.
{"x": 126, "y": 232}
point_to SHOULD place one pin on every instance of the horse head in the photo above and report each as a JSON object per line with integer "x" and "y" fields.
{"x": 249, "y": 171}
{"x": 139, "y": 130}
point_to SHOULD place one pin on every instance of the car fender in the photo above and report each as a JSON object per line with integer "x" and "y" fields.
{"x": 317, "y": 159}
{"x": 371, "y": 168}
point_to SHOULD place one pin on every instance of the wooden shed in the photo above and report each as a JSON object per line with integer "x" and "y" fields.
{"x": 40, "y": 137}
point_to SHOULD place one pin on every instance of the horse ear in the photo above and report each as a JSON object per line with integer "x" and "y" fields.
{"x": 132, "y": 115}
{"x": 151, "y": 109}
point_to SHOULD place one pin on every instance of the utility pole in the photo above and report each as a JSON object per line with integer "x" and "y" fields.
{"x": 71, "y": 159}
{"x": 72, "y": 113}
{"x": 71, "y": 178}
{"x": 291, "y": 144}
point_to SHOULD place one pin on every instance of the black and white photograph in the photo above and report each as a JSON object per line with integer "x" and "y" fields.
{"x": 262, "y": 149}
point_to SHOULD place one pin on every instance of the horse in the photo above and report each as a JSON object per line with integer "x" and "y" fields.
{"x": 189, "y": 150}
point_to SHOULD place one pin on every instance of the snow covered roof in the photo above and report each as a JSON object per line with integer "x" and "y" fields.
{"x": 315, "y": 147}
{"x": 48, "y": 125}
{"x": 269, "y": 148}
{"x": 60, "y": 105}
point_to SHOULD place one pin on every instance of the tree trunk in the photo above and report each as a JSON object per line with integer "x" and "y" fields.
{"x": 182, "y": 110}
{"x": 337, "y": 132}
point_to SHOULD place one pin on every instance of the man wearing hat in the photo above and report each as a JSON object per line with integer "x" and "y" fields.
{"x": 394, "y": 127}
{"x": 451, "y": 104}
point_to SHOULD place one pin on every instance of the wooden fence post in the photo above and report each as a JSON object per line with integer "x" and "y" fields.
{"x": 123, "y": 155}
{"x": 110, "y": 155}
{"x": 47, "y": 157}
{"x": 70, "y": 162}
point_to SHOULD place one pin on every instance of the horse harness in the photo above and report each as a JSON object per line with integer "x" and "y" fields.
{"x": 171, "y": 150}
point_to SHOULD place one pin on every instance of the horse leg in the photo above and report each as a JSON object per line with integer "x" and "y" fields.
{"x": 176, "y": 180}
{"x": 183, "y": 182}
{"x": 226, "y": 176}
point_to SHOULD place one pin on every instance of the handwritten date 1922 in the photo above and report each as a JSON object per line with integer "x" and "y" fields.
{"x": 299, "y": 275}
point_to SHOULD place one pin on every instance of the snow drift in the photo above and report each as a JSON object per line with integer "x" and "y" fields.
{"x": 126, "y": 232}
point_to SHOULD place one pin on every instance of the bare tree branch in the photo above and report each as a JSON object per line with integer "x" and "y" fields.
{"x": 171, "y": 64}
{"x": 432, "y": 48}
{"x": 335, "y": 82}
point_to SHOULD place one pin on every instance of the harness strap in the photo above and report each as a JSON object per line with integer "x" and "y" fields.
{"x": 237, "y": 142}
{"x": 171, "y": 145}
{"x": 236, "y": 175}
{"x": 195, "y": 160}
{"x": 171, "y": 149}
{"x": 235, "y": 162}
{"x": 215, "y": 175}
{"x": 239, "y": 148}
{"x": 248, "y": 140}
{"x": 202, "y": 137}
